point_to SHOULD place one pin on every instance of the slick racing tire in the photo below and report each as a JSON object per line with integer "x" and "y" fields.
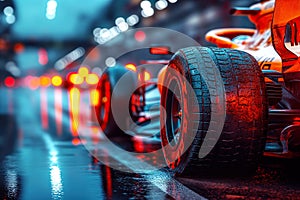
{"x": 242, "y": 140}
{"x": 106, "y": 86}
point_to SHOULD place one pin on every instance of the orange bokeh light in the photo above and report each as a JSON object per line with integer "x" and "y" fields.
{"x": 131, "y": 67}
{"x": 34, "y": 82}
{"x": 44, "y": 81}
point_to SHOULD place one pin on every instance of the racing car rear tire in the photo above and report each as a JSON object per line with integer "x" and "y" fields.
{"x": 242, "y": 140}
{"x": 105, "y": 87}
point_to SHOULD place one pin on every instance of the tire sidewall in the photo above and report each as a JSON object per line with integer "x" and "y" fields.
{"x": 113, "y": 75}
{"x": 177, "y": 156}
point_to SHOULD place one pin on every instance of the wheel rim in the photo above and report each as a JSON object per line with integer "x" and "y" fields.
{"x": 174, "y": 114}
{"x": 104, "y": 102}
{"x": 175, "y": 135}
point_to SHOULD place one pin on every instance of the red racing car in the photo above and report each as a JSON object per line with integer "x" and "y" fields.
{"x": 243, "y": 97}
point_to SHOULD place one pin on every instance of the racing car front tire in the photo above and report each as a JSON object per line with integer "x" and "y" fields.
{"x": 242, "y": 140}
{"x": 106, "y": 85}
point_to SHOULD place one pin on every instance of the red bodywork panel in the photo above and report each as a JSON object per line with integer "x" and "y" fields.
{"x": 286, "y": 13}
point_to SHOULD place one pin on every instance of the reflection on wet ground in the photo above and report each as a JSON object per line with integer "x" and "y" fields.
{"x": 47, "y": 165}
{"x": 8, "y": 134}
{"x": 48, "y": 169}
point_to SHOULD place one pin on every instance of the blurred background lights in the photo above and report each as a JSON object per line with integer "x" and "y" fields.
{"x": 148, "y": 12}
{"x": 43, "y": 56}
{"x": 19, "y": 47}
{"x": 161, "y": 4}
{"x": 83, "y": 71}
{"x": 97, "y": 70}
{"x": 52, "y": 4}
{"x": 51, "y": 9}
{"x": 10, "y": 19}
{"x": 110, "y": 62}
{"x": 12, "y": 68}
{"x": 50, "y": 16}
{"x": 8, "y": 11}
{"x": 56, "y": 81}
{"x": 100, "y": 40}
{"x": 9, "y": 81}
{"x": 76, "y": 79}
{"x": 114, "y": 31}
{"x": 105, "y": 33}
{"x": 33, "y": 82}
{"x": 101, "y": 36}
{"x": 132, "y": 20}
{"x": 131, "y": 67}
{"x": 69, "y": 58}
{"x": 119, "y": 20}
{"x": 145, "y": 4}
{"x": 123, "y": 26}
{"x": 92, "y": 79}
{"x": 140, "y": 36}
{"x": 96, "y": 32}
{"x": 44, "y": 81}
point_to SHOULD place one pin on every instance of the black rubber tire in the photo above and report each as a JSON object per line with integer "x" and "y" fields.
{"x": 106, "y": 86}
{"x": 242, "y": 140}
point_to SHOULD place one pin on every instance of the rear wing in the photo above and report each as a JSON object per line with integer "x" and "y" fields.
{"x": 286, "y": 25}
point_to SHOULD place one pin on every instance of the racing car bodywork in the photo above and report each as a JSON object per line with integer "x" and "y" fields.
{"x": 260, "y": 74}
{"x": 274, "y": 102}
{"x": 275, "y": 46}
